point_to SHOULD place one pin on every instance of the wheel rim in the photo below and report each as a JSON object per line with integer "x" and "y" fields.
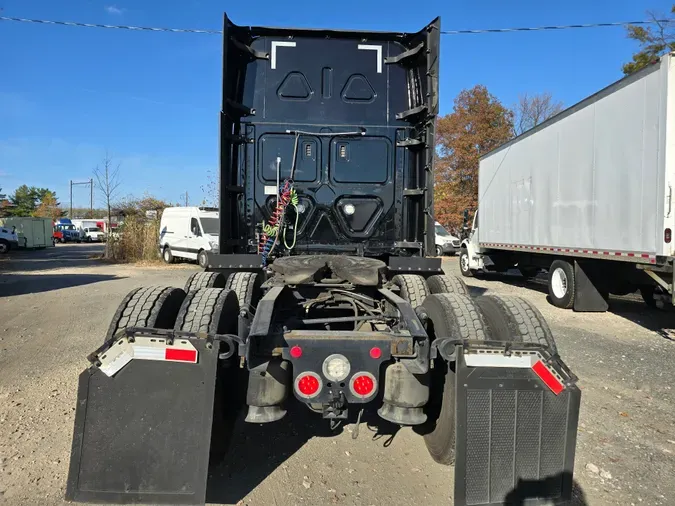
{"x": 202, "y": 259}
{"x": 559, "y": 283}
{"x": 464, "y": 261}
{"x": 439, "y": 251}
{"x": 166, "y": 254}
{"x": 3, "y": 248}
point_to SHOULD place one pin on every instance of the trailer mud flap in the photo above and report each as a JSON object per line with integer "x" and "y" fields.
{"x": 143, "y": 435}
{"x": 516, "y": 432}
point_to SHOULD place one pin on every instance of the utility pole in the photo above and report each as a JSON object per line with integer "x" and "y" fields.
{"x": 90, "y": 184}
{"x": 186, "y": 199}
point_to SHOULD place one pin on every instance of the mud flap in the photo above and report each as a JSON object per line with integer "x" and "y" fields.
{"x": 516, "y": 431}
{"x": 587, "y": 297}
{"x": 143, "y": 435}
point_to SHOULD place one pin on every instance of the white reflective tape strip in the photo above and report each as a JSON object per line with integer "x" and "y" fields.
{"x": 143, "y": 348}
{"x": 270, "y": 190}
{"x": 490, "y": 360}
{"x": 275, "y": 44}
{"x": 371, "y": 47}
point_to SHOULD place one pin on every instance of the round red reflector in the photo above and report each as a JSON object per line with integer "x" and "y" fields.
{"x": 308, "y": 385}
{"x": 375, "y": 352}
{"x": 296, "y": 352}
{"x": 363, "y": 385}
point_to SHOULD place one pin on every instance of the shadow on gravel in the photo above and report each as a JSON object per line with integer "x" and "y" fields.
{"x": 257, "y": 450}
{"x": 631, "y": 307}
{"x": 545, "y": 489}
{"x": 21, "y": 284}
{"x": 63, "y": 255}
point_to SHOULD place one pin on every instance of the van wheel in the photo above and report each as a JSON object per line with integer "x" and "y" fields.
{"x": 4, "y": 246}
{"x": 464, "y": 264}
{"x": 202, "y": 259}
{"x": 561, "y": 284}
{"x": 167, "y": 255}
{"x": 439, "y": 251}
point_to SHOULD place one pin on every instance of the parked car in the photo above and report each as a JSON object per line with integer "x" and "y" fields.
{"x": 188, "y": 232}
{"x": 92, "y": 234}
{"x": 446, "y": 243}
{"x": 8, "y": 239}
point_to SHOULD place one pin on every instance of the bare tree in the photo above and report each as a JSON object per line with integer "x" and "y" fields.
{"x": 532, "y": 110}
{"x": 108, "y": 182}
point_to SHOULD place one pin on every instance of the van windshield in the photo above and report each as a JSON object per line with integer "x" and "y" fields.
{"x": 210, "y": 225}
{"x": 441, "y": 231}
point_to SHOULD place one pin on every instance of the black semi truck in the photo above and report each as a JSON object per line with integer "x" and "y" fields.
{"x": 322, "y": 294}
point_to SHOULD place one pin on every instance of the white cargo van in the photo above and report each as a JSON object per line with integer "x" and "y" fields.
{"x": 188, "y": 232}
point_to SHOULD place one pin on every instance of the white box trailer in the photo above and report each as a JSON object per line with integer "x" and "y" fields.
{"x": 33, "y": 232}
{"x": 590, "y": 190}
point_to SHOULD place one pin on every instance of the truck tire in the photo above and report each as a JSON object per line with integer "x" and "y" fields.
{"x": 413, "y": 287}
{"x": 447, "y": 284}
{"x": 647, "y": 292}
{"x": 214, "y": 310}
{"x": 514, "y": 319}
{"x": 561, "y": 284}
{"x": 153, "y": 306}
{"x": 204, "y": 280}
{"x": 246, "y": 285}
{"x": 167, "y": 255}
{"x": 528, "y": 271}
{"x": 211, "y": 310}
{"x": 464, "y": 264}
{"x": 456, "y": 316}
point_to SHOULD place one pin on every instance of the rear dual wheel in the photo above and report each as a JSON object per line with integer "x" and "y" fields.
{"x": 459, "y": 317}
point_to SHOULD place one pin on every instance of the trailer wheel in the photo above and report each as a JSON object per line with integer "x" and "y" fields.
{"x": 447, "y": 284}
{"x": 561, "y": 284}
{"x": 204, "y": 280}
{"x": 464, "y": 264}
{"x": 211, "y": 310}
{"x": 413, "y": 287}
{"x": 247, "y": 287}
{"x": 456, "y": 316}
{"x": 153, "y": 306}
{"x": 516, "y": 320}
{"x": 648, "y": 295}
{"x": 528, "y": 271}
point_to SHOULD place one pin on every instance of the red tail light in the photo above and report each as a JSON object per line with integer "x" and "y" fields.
{"x": 375, "y": 352}
{"x": 363, "y": 384}
{"x": 547, "y": 377}
{"x": 308, "y": 384}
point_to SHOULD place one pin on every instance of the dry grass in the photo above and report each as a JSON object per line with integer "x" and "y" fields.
{"x": 136, "y": 241}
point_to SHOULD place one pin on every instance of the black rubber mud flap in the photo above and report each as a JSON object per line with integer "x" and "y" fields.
{"x": 143, "y": 435}
{"x": 587, "y": 298}
{"x": 515, "y": 438}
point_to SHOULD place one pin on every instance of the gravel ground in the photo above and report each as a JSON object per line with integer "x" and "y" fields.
{"x": 55, "y": 306}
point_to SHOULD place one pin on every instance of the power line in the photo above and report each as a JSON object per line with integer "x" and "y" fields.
{"x": 444, "y": 32}
{"x": 117, "y": 27}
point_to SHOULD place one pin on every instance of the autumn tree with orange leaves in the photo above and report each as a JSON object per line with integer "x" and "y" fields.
{"x": 478, "y": 124}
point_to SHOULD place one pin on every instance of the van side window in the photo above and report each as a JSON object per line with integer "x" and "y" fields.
{"x": 194, "y": 227}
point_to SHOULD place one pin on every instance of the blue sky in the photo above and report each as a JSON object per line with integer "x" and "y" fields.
{"x": 152, "y": 99}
